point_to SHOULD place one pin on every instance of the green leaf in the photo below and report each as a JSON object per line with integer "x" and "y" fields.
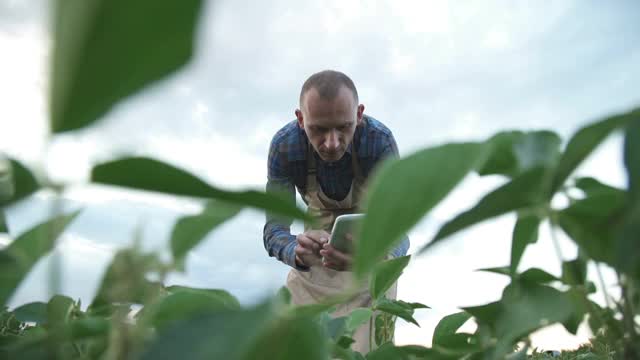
{"x": 524, "y": 308}
{"x": 537, "y": 149}
{"x": 515, "y": 152}
{"x": 357, "y": 318}
{"x": 538, "y": 276}
{"x": 457, "y": 345}
{"x": 17, "y": 259}
{"x": 284, "y": 294}
{"x": 388, "y": 351}
{"x": 580, "y": 307}
{"x": 632, "y": 158}
{"x": 59, "y": 310}
{"x": 35, "y": 312}
{"x": 16, "y": 184}
{"x": 6, "y": 179}
{"x": 449, "y": 325}
{"x": 533, "y": 275}
{"x": 404, "y": 190}
{"x": 312, "y": 310}
{"x": 593, "y": 187}
{"x": 190, "y": 230}
{"x": 524, "y": 191}
{"x": 627, "y": 240}
{"x": 184, "y": 305}
{"x": 583, "y": 142}
{"x": 591, "y": 223}
{"x": 152, "y": 175}
{"x": 336, "y": 327}
{"x": 385, "y": 274}
{"x": 385, "y": 325}
{"x": 106, "y": 50}
{"x": 504, "y": 270}
{"x": 220, "y": 296}
{"x": 502, "y": 159}
{"x": 223, "y": 335}
{"x": 525, "y": 232}
{"x": 4, "y": 228}
{"x": 574, "y": 272}
{"x": 486, "y": 314}
{"x": 125, "y": 282}
{"x": 399, "y": 308}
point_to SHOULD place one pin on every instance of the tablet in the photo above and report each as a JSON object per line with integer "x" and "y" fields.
{"x": 343, "y": 225}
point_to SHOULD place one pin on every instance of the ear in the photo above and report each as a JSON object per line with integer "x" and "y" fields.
{"x": 300, "y": 118}
{"x": 359, "y": 114}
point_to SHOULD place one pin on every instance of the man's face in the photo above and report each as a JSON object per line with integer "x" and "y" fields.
{"x": 330, "y": 125}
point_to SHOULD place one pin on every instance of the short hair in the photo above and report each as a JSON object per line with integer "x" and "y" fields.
{"x": 328, "y": 83}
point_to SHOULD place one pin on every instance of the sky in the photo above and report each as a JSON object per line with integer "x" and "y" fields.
{"x": 432, "y": 71}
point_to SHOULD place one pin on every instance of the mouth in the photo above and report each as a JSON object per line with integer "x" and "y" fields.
{"x": 331, "y": 156}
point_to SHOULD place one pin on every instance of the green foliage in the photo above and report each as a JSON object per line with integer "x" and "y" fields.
{"x": 154, "y": 39}
{"x": 153, "y": 175}
{"x": 385, "y": 274}
{"x": 190, "y": 230}
{"x": 125, "y": 283}
{"x": 399, "y": 308}
{"x": 525, "y": 232}
{"x": 515, "y": 152}
{"x": 16, "y": 183}
{"x": 405, "y": 190}
{"x": 584, "y": 142}
{"x": 17, "y": 259}
{"x": 591, "y": 223}
{"x": 523, "y": 192}
{"x": 106, "y": 50}
{"x": 448, "y": 326}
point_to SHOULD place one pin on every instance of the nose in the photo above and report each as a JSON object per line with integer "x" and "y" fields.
{"x": 332, "y": 141}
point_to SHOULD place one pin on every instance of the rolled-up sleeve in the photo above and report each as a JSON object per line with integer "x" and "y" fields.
{"x": 277, "y": 237}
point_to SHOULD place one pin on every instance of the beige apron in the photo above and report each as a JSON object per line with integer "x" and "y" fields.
{"x": 319, "y": 283}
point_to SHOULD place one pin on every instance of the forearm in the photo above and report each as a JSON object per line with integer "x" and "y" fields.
{"x": 281, "y": 244}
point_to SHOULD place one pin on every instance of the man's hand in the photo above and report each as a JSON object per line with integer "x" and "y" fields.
{"x": 335, "y": 259}
{"x": 308, "y": 248}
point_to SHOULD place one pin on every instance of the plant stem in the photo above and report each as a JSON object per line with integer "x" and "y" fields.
{"x": 628, "y": 313}
{"x": 602, "y": 285}
{"x": 55, "y": 265}
{"x": 556, "y": 244}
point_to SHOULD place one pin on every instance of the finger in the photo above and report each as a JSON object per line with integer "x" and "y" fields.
{"x": 319, "y": 236}
{"x": 301, "y": 251}
{"x": 336, "y": 256}
{"x": 308, "y": 243}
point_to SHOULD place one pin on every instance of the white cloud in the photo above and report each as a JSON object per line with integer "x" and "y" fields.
{"x": 433, "y": 71}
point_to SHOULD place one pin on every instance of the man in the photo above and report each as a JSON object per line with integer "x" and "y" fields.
{"x": 327, "y": 154}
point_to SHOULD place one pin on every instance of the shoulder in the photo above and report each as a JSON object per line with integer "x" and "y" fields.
{"x": 374, "y": 126}
{"x": 289, "y": 142}
{"x": 374, "y": 137}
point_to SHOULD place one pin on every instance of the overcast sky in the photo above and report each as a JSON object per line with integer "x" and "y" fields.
{"x": 432, "y": 71}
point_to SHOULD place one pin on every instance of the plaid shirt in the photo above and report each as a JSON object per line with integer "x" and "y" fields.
{"x": 287, "y": 169}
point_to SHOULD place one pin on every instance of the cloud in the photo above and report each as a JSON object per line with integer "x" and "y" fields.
{"x": 433, "y": 72}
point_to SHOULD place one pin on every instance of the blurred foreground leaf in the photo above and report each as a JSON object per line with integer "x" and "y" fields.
{"x": 106, "y": 50}
{"x": 190, "y": 230}
{"x": 523, "y": 192}
{"x": 17, "y": 259}
{"x": 153, "y": 175}
{"x": 583, "y": 142}
{"x": 385, "y": 274}
{"x": 406, "y": 189}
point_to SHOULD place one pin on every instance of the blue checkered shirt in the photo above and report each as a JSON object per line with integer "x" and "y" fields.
{"x": 287, "y": 169}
